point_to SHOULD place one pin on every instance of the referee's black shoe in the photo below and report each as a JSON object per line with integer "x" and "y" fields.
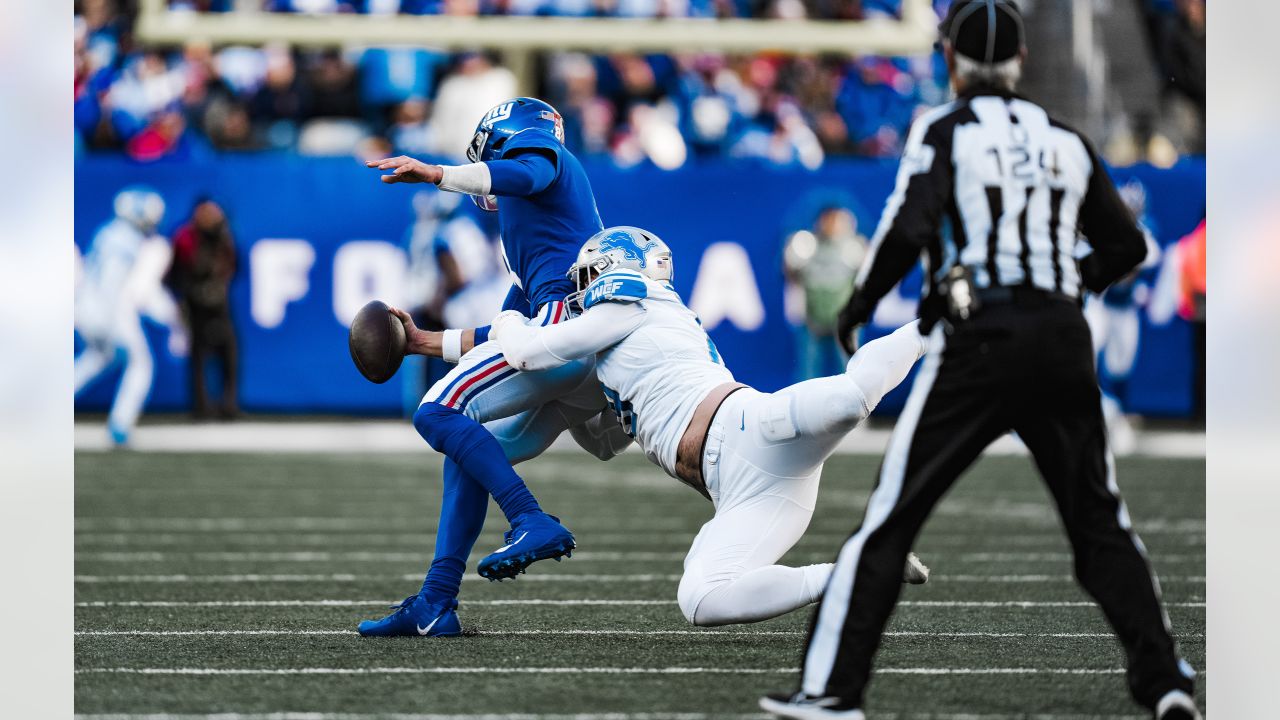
{"x": 798, "y": 706}
{"x": 1177, "y": 705}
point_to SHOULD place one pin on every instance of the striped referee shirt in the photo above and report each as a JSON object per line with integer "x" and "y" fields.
{"x": 991, "y": 182}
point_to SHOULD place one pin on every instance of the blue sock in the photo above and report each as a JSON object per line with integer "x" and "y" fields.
{"x": 462, "y": 512}
{"x": 477, "y": 454}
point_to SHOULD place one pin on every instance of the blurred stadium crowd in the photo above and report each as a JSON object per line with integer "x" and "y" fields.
{"x": 155, "y": 102}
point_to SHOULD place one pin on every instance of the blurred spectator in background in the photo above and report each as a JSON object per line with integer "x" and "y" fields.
{"x": 823, "y": 262}
{"x": 456, "y": 278}
{"x": 410, "y": 132}
{"x": 391, "y": 77}
{"x": 119, "y": 283}
{"x": 1176, "y": 35}
{"x": 476, "y": 85}
{"x": 661, "y": 109}
{"x": 877, "y": 100}
{"x": 204, "y": 263}
{"x": 279, "y": 105}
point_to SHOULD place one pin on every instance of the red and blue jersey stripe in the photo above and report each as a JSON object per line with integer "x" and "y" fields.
{"x": 491, "y": 371}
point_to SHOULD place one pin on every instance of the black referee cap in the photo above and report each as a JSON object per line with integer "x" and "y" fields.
{"x": 987, "y": 31}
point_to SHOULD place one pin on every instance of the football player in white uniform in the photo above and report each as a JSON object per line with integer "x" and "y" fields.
{"x": 757, "y": 456}
{"x": 120, "y": 283}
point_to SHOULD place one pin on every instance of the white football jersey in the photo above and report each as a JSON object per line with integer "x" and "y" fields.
{"x": 655, "y": 376}
{"x": 103, "y": 294}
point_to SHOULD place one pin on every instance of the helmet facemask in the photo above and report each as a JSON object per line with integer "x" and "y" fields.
{"x": 475, "y": 153}
{"x": 583, "y": 274}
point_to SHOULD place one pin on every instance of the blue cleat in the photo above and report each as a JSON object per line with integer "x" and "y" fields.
{"x": 416, "y": 616}
{"x": 533, "y": 536}
{"x": 119, "y": 435}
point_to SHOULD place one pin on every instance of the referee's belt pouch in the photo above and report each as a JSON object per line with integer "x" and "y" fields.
{"x": 954, "y": 299}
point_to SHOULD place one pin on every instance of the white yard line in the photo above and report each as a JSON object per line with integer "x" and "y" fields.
{"x": 400, "y": 670}
{"x": 579, "y": 557}
{"x": 695, "y": 634}
{"x": 360, "y": 556}
{"x": 1047, "y": 539}
{"x": 182, "y": 579}
{"x": 491, "y": 716}
{"x": 326, "y": 524}
{"x": 575, "y": 716}
{"x": 576, "y": 602}
{"x": 374, "y": 436}
{"x": 180, "y": 525}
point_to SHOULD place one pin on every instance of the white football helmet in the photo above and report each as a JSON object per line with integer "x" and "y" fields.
{"x": 621, "y": 246}
{"x": 141, "y": 206}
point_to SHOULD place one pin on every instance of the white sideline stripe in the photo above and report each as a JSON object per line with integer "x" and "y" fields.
{"x": 1055, "y": 556}
{"x": 440, "y": 671}
{"x": 585, "y": 556}
{"x": 564, "y": 578}
{"x": 661, "y": 529}
{"x": 699, "y": 634}
{"x": 579, "y": 716}
{"x": 344, "y": 577}
{"x": 512, "y": 716}
{"x": 1043, "y": 578}
{"x": 361, "y": 556}
{"x": 579, "y": 671}
{"x": 366, "y": 603}
{"x": 303, "y": 523}
{"x": 399, "y": 436}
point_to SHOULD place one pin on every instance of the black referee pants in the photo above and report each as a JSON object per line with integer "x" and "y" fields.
{"x": 1026, "y": 367}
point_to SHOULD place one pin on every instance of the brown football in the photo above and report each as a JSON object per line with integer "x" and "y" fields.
{"x": 376, "y": 342}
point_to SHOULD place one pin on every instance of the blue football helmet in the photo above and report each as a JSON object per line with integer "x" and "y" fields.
{"x": 501, "y": 123}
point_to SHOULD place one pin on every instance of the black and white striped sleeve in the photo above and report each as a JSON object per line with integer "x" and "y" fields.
{"x": 911, "y": 217}
{"x": 1113, "y": 233}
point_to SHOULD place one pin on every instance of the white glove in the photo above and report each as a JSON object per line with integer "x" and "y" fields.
{"x": 495, "y": 327}
{"x": 179, "y": 341}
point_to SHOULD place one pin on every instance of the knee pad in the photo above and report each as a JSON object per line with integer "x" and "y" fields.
{"x": 693, "y": 588}
{"x": 843, "y": 410}
{"x": 777, "y": 418}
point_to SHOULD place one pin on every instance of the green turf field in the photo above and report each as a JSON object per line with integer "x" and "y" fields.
{"x": 248, "y": 574}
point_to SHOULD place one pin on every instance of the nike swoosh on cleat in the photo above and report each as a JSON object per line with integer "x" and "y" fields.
{"x": 427, "y": 629}
{"x": 505, "y": 548}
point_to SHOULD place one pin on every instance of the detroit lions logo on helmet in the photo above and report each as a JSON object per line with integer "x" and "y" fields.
{"x": 631, "y": 249}
{"x": 497, "y": 114}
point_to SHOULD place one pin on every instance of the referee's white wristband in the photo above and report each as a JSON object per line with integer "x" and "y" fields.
{"x": 451, "y": 346}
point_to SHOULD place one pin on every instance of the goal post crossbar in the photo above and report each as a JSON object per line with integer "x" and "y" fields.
{"x": 914, "y": 33}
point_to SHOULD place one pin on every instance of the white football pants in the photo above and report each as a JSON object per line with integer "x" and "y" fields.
{"x": 527, "y": 411}
{"x": 1115, "y": 332}
{"x": 762, "y": 465}
{"x": 125, "y": 341}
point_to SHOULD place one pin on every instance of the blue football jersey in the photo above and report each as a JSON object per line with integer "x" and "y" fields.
{"x": 542, "y": 232}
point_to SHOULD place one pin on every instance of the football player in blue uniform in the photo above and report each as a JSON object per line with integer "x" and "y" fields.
{"x": 520, "y": 169}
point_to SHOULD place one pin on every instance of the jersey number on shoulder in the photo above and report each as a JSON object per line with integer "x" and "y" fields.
{"x": 622, "y": 408}
{"x": 711, "y": 344}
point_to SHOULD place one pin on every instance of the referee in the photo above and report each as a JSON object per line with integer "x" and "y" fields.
{"x": 1009, "y": 351}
